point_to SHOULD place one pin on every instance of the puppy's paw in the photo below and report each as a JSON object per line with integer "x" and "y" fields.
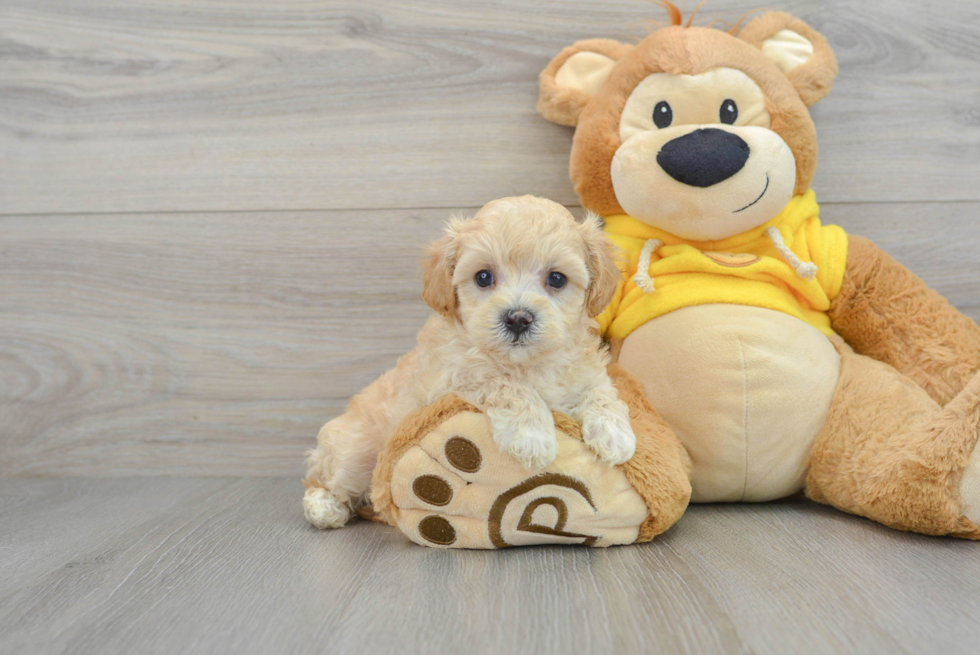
{"x": 610, "y": 436}
{"x": 323, "y": 510}
{"x": 532, "y": 445}
{"x": 534, "y": 448}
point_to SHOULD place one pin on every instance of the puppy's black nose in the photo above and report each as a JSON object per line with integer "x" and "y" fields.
{"x": 703, "y": 157}
{"x": 518, "y": 321}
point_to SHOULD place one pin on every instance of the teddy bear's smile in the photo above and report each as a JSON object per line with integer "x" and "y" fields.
{"x": 764, "y": 189}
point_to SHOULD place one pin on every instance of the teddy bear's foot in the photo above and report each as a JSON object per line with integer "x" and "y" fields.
{"x": 448, "y": 485}
{"x": 323, "y": 510}
{"x": 890, "y": 452}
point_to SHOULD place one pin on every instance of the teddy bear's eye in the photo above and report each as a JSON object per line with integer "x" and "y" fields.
{"x": 483, "y": 278}
{"x": 729, "y": 112}
{"x": 663, "y": 115}
{"x": 556, "y": 280}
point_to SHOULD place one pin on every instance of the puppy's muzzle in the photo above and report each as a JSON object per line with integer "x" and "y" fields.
{"x": 518, "y": 321}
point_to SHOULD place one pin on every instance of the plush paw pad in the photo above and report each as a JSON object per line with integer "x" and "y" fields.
{"x": 455, "y": 488}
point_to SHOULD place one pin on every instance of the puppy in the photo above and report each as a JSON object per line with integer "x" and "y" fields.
{"x": 515, "y": 289}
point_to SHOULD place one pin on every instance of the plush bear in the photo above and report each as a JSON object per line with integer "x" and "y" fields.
{"x": 761, "y": 352}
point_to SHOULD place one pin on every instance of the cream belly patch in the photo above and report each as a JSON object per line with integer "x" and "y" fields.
{"x": 745, "y": 389}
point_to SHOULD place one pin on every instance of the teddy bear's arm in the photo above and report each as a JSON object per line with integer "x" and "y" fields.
{"x": 886, "y": 312}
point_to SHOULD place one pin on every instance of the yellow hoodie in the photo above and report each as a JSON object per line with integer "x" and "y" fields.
{"x": 746, "y": 269}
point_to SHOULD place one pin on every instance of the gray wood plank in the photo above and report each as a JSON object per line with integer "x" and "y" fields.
{"x": 150, "y": 105}
{"x": 51, "y": 523}
{"x": 881, "y": 590}
{"x": 234, "y": 568}
{"x": 216, "y": 344}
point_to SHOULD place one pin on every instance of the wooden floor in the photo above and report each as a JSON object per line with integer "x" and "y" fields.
{"x": 230, "y": 566}
{"x": 210, "y": 220}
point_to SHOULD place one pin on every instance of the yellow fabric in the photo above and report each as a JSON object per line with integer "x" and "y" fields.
{"x": 745, "y": 269}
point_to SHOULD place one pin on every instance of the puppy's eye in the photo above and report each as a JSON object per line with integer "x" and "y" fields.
{"x": 663, "y": 115}
{"x": 483, "y": 278}
{"x": 556, "y": 280}
{"x": 729, "y": 112}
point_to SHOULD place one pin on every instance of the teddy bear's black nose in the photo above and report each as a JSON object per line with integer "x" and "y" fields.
{"x": 703, "y": 157}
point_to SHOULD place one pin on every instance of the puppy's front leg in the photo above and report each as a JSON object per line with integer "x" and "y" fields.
{"x": 523, "y": 426}
{"x": 605, "y": 423}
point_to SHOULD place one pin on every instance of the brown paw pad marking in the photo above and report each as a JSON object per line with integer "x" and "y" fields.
{"x": 437, "y": 530}
{"x": 465, "y": 456}
{"x": 433, "y": 490}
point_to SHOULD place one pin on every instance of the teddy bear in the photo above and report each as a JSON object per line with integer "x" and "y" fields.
{"x": 761, "y": 352}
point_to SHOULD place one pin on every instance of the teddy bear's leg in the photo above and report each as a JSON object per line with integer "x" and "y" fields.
{"x": 891, "y": 453}
{"x": 885, "y": 312}
{"x": 443, "y": 482}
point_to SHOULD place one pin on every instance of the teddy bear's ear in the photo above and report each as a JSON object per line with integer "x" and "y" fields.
{"x": 800, "y": 52}
{"x": 574, "y": 76}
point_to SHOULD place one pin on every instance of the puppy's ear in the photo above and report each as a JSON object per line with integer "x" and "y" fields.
{"x": 437, "y": 272}
{"x": 601, "y": 259}
{"x": 574, "y": 77}
{"x": 798, "y": 50}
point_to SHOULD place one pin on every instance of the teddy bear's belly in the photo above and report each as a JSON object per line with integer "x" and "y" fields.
{"x": 745, "y": 389}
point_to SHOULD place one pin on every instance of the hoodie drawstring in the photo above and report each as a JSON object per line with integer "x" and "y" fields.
{"x": 806, "y": 270}
{"x": 642, "y": 277}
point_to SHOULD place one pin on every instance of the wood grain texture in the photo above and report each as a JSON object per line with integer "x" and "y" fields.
{"x": 137, "y": 344}
{"x": 216, "y": 566}
{"x": 156, "y": 105}
{"x": 45, "y": 524}
{"x": 217, "y": 344}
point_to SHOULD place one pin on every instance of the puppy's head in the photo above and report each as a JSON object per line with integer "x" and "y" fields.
{"x": 521, "y": 276}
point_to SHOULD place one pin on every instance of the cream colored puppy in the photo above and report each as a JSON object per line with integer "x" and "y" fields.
{"x": 515, "y": 288}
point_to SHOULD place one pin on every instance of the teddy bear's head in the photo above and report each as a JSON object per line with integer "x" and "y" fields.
{"x": 693, "y": 130}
